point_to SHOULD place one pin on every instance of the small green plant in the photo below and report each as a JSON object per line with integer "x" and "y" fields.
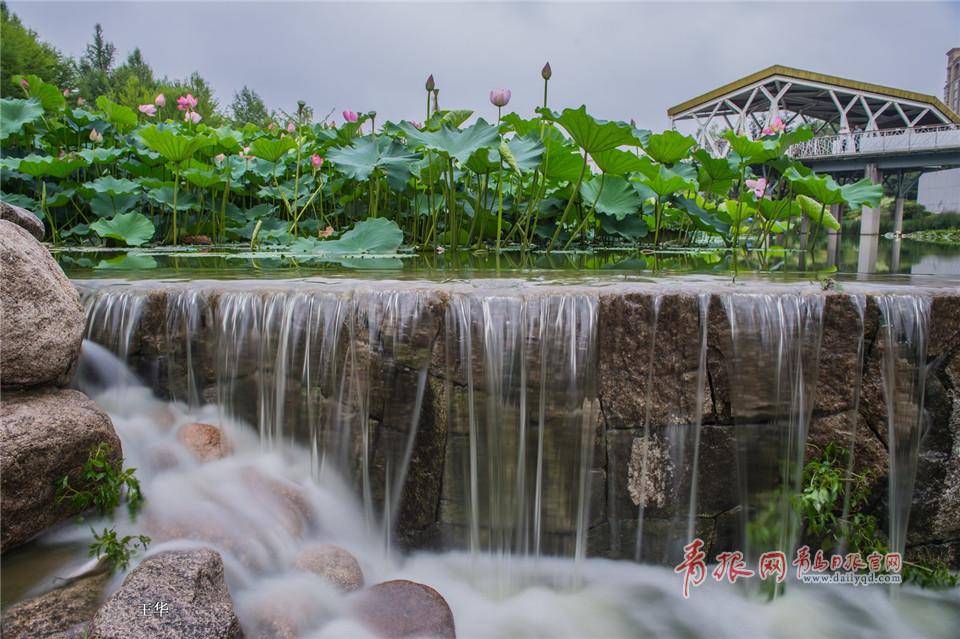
{"x": 103, "y": 487}
{"x": 821, "y": 505}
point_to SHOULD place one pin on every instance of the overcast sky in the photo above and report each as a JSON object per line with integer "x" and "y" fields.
{"x": 623, "y": 59}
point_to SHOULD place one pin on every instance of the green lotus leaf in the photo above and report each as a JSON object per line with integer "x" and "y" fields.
{"x": 272, "y": 149}
{"x": 107, "y": 206}
{"x": 862, "y": 193}
{"x": 666, "y": 182}
{"x": 109, "y": 185}
{"x": 562, "y": 163}
{"x": 452, "y": 142}
{"x": 747, "y": 151}
{"x": 617, "y": 161}
{"x": 591, "y": 135}
{"x": 203, "y": 178}
{"x": 779, "y": 209}
{"x": 132, "y": 228}
{"x": 100, "y": 155}
{"x": 820, "y": 187}
{"x": 23, "y": 201}
{"x": 615, "y": 197}
{"x": 164, "y": 195}
{"x": 705, "y": 220}
{"x": 631, "y": 227}
{"x": 49, "y": 95}
{"x": 128, "y": 262}
{"x": 737, "y": 211}
{"x": 527, "y": 150}
{"x": 117, "y": 114}
{"x": 818, "y": 212}
{"x": 373, "y": 236}
{"x": 716, "y": 175}
{"x": 174, "y": 147}
{"x": 456, "y": 117}
{"x": 38, "y": 166}
{"x": 669, "y": 147}
{"x": 358, "y": 161}
{"x": 521, "y": 126}
{"x": 16, "y": 113}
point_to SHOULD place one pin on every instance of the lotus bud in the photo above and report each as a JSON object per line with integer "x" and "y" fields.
{"x": 291, "y": 127}
{"x": 350, "y": 116}
{"x": 316, "y": 161}
{"x": 79, "y": 101}
{"x": 500, "y": 97}
{"x": 160, "y": 101}
{"x": 430, "y": 83}
{"x": 24, "y": 83}
{"x": 546, "y": 72}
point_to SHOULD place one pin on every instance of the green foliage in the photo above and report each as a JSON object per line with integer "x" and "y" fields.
{"x": 118, "y": 551}
{"x": 103, "y": 487}
{"x": 826, "y": 483}
{"x": 133, "y": 229}
{"x": 22, "y": 53}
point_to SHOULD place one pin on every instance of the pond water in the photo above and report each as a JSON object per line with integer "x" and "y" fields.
{"x": 845, "y": 258}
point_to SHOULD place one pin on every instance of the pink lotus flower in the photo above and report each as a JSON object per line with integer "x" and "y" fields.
{"x": 160, "y": 101}
{"x": 95, "y": 136}
{"x": 350, "y": 116}
{"x": 776, "y": 126}
{"x": 419, "y": 125}
{"x": 24, "y": 83}
{"x": 192, "y": 116}
{"x": 546, "y": 72}
{"x": 291, "y": 127}
{"x": 66, "y": 93}
{"x": 79, "y": 101}
{"x": 220, "y": 157}
{"x": 757, "y": 186}
{"x": 149, "y": 109}
{"x": 270, "y": 126}
{"x": 316, "y": 161}
{"x": 500, "y": 97}
{"x": 186, "y": 103}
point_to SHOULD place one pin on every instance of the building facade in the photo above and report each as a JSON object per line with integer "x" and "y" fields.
{"x": 951, "y": 90}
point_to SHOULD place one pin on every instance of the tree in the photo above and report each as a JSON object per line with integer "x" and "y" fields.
{"x": 95, "y": 66}
{"x": 22, "y": 54}
{"x": 132, "y": 83}
{"x": 248, "y": 107}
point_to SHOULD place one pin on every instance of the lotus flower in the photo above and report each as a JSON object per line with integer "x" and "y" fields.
{"x": 79, "y": 101}
{"x": 757, "y": 186}
{"x": 95, "y": 136}
{"x": 546, "y": 72}
{"x": 500, "y": 97}
{"x": 350, "y": 116}
{"x": 160, "y": 100}
{"x": 192, "y": 116}
{"x": 149, "y": 109}
{"x": 291, "y": 127}
{"x": 24, "y": 83}
{"x": 66, "y": 93}
{"x": 430, "y": 83}
{"x": 419, "y": 125}
{"x": 776, "y": 126}
{"x": 316, "y": 161}
{"x": 186, "y": 103}
{"x": 270, "y": 126}
{"x": 220, "y": 157}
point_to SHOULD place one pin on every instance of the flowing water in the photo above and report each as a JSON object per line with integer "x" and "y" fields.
{"x": 327, "y": 396}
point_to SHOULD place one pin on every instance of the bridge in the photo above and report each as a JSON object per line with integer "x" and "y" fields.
{"x": 860, "y": 129}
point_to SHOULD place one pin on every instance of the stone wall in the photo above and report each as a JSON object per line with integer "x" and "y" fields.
{"x": 643, "y": 405}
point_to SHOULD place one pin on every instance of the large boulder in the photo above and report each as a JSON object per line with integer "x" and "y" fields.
{"x": 62, "y": 613}
{"x": 42, "y": 319}
{"x": 170, "y": 595}
{"x": 402, "y": 608}
{"x": 45, "y": 434}
{"x": 22, "y": 218}
{"x": 334, "y": 564}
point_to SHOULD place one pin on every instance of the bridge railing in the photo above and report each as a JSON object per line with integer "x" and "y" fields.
{"x": 927, "y": 138}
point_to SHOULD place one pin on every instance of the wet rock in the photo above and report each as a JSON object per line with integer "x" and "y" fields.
{"x": 333, "y": 563}
{"x": 402, "y": 608}
{"x": 22, "y": 218}
{"x": 46, "y": 434}
{"x": 187, "y": 587}
{"x": 203, "y": 440}
{"x": 59, "y": 614}
{"x": 42, "y": 319}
